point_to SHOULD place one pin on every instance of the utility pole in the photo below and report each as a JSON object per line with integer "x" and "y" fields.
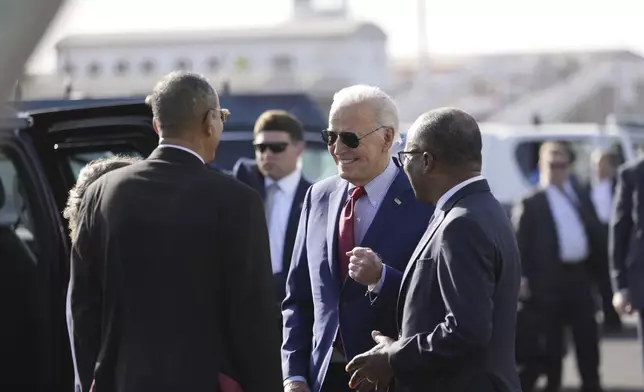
{"x": 423, "y": 54}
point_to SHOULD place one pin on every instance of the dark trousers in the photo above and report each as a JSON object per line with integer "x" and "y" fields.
{"x": 336, "y": 379}
{"x": 573, "y": 307}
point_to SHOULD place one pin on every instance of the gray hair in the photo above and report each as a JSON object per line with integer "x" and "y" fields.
{"x": 88, "y": 174}
{"x": 180, "y": 99}
{"x": 385, "y": 107}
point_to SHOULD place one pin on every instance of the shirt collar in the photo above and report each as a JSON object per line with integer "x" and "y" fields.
{"x": 377, "y": 188}
{"x": 287, "y": 184}
{"x": 447, "y": 195}
{"x": 183, "y": 149}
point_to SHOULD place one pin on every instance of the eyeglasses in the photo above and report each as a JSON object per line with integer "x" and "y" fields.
{"x": 223, "y": 113}
{"x": 276, "y": 148}
{"x": 405, "y": 156}
{"x": 349, "y": 139}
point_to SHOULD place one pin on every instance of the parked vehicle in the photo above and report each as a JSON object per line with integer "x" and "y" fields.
{"x": 510, "y": 152}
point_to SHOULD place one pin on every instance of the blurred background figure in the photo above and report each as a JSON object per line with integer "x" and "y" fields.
{"x": 557, "y": 244}
{"x": 598, "y": 196}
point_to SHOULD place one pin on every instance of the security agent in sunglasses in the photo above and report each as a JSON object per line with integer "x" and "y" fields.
{"x": 278, "y": 142}
{"x": 333, "y": 300}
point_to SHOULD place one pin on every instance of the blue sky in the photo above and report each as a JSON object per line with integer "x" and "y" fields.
{"x": 454, "y": 26}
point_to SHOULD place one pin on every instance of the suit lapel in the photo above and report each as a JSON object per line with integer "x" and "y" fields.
{"x": 549, "y": 216}
{"x": 435, "y": 222}
{"x": 258, "y": 179}
{"x": 293, "y": 221}
{"x": 388, "y": 209}
{"x": 336, "y": 198}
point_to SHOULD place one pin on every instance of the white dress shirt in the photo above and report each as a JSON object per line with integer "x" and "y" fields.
{"x": 571, "y": 234}
{"x": 367, "y": 208}
{"x": 182, "y": 149}
{"x": 278, "y": 203}
{"x": 601, "y": 195}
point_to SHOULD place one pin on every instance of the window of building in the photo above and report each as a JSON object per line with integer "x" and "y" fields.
{"x": 94, "y": 69}
{"x": 283, "y": 63}
{"x": 121, "y": 67}
{"x": 183, "y": 65}
{"x": 242, "y": 64}
{"x": 69, "y": 68}
{"x": 213, "y": 64}
{"x": 147, "y": 67}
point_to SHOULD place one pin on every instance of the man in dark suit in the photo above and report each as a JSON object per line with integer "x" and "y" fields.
{"x": 596, "y": 198}
{"x": 331, "y": 307}
{"x": 170, "y": 268}
{"x": 626, "y": 243}
{"x": 458, "y": 299}
{"x": 558, "y": 244}
{"x": 279, "y": 143}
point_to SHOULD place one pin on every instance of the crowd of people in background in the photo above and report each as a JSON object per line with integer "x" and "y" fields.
{"x": 399, "y": 272}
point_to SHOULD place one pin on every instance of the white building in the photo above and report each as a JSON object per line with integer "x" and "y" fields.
{"x": 317, "y": 52}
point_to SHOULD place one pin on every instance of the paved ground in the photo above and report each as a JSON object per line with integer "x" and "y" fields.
{"x": 621, "y": 363}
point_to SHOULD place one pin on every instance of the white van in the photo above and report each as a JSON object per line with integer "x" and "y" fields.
{"x": 510, "y": 152}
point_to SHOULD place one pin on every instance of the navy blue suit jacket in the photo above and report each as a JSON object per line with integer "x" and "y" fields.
{"x": 246, "y": 171}
{"x": 317, "y": 303}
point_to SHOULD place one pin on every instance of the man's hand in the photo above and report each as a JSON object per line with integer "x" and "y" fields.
{"x": 365, "y": 267}
{"x": 372, "y": 366}
{"x": 622, "y": 302}
{"x": 296, "y": 386}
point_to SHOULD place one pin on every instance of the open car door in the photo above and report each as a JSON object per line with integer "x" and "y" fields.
{"x": 67, "y": 139}
{"x": 39, "y": 163}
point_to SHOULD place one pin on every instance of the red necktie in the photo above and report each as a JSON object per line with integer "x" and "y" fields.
{"x": 346, "y": 232}
{"x": 346, "y": 241}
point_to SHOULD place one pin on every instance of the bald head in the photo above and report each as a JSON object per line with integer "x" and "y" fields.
{"x": 180, "y": 100}
{"x": 451, "y": 136}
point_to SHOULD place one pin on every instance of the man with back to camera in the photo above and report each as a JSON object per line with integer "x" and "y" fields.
{"x": 332, "y": 306}
{"x": 626, "y": 245}
{"x": 457, "y": 306}
{"x": 170, "y": 263}
{"x": 278, "y": 143}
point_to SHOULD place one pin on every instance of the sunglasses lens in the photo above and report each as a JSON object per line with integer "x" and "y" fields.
{"x": 274, "y": 147}
{"x": 350, "y": 139}
{"x": 277, "y": 148}
{"x": 329, "y": 137}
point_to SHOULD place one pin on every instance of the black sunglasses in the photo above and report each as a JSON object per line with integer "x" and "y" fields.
{"x": 349, "y": 139}
{"x": 274, "y": 147}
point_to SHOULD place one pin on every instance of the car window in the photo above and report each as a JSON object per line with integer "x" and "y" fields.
{"x": 527, "y": 156}
{"x": 16, "y": 218}
{"x": 317, "y": 164}
{"x": 77, "y": 160}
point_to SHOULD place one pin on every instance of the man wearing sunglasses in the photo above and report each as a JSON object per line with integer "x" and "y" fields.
{"x": 333, "y": 304}
{"x": 559, "y": 245}
{"x": 274, "y": 173}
